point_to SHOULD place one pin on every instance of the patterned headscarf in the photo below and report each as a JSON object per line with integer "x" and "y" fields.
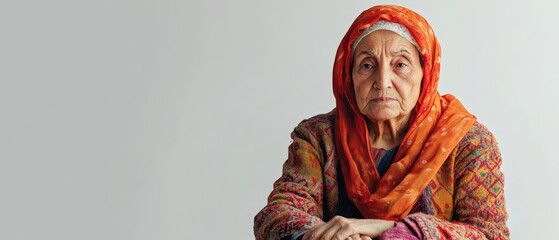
{"x": 437, "y": 125}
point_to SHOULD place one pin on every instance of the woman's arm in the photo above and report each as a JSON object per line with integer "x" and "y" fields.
{"x": 479, "y": 203}
{"x": 296, "y": 202}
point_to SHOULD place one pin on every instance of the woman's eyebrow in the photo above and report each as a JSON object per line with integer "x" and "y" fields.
{"x": 400, "y": 52}
{"x": 366, "y": 52}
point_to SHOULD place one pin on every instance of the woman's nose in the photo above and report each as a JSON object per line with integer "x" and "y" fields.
{"x": 383, "y": 78}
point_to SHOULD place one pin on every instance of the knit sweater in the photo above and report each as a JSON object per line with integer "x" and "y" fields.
{"x": 469, "y": 204}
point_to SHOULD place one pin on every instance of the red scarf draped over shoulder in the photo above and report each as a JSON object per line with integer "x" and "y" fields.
{"x": 437, "y": 125}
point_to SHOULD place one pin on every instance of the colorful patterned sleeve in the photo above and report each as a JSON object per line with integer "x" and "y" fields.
{"x": 296, "y": 202}
{"x": 479, "y": 203}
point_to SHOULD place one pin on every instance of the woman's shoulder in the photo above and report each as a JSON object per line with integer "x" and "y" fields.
{"x": 478, "y": 147}
{"x": 478, "y": 136}
{"x": 317, "y": 127}
{"x": 320, "y": 120}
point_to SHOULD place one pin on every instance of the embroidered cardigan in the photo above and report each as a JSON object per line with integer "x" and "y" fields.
{"x": 470, "y": 202}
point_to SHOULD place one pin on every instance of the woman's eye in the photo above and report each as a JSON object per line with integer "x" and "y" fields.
{"x": 401, "y": 65}
{"x": 367, "y": 66}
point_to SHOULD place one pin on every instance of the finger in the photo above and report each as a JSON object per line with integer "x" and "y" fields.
{"x": 373, "y": 227}
{"x": 354, "y": 237}
{"x": 331, "y": 229}
{"x": 363, "y": 237}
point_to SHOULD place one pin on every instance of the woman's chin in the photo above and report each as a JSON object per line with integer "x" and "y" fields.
{"x": 382, "y": 117}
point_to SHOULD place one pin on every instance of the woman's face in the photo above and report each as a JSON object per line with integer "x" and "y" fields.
{"x": 386, "y": 76}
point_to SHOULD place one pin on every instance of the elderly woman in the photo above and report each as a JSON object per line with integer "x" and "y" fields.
{"x": 394, "y": 159}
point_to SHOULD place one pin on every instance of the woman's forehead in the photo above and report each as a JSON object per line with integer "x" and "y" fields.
{"x": 384, "y": 40}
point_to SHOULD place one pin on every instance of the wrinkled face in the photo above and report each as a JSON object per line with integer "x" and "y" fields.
{"x": 386, "y": 76}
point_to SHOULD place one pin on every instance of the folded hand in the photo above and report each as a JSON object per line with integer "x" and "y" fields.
{"x": 341, "y": 228}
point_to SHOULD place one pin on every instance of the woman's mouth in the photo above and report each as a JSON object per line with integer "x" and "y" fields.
{"x": 382, "y": 99}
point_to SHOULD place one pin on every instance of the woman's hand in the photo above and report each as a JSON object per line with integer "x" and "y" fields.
{"x": 341, "y": 228}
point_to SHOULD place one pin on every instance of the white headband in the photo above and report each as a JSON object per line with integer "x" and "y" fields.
{"x": 385, "y": 25}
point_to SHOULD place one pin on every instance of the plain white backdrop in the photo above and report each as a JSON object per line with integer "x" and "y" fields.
{"x": 147, "y": 119}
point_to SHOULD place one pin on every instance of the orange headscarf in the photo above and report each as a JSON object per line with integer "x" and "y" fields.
{"x": 437, "y": 125}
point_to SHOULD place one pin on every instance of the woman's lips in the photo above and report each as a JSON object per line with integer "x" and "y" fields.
{"x": 382, "y": 99}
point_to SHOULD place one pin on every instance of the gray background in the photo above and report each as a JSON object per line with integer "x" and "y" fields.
{"x": 169, "y": 119}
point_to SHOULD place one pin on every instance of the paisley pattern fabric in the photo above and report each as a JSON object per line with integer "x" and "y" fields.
{"x": 465, "y": 199}
{"x": 438, "y": 123}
